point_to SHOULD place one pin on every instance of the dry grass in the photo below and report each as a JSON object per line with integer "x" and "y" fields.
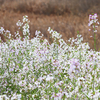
{"x": 79, "y": 7}
{"x": 63, "y": 16}
{"x": 47, "y": 7}
{"x": 36, "y": 6}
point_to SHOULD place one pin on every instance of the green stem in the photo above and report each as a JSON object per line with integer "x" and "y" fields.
{"x": 94, "y": 36}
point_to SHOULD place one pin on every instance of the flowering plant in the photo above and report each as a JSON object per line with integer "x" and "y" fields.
{"x": 31, "y": 69}
{"x": 93, "y": 23}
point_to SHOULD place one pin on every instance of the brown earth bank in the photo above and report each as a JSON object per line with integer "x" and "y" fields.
{"x": 62, "y": 17}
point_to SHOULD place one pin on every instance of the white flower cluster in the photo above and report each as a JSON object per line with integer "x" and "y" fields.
{"x": 6, "y": 33}
{"x": 31, "y": 69}
{"x": 24, "y": 26}
{"x": 93, "y": 21}
{"x": 1, "y": 30}
{"x": 55, "y": 34}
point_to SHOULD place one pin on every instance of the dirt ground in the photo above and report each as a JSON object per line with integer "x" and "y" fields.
{"x": 65, "y": 23}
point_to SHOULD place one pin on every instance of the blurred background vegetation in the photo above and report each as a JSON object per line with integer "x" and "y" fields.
{"x": 48, "y": 7}
{"x": 65, "y": 16}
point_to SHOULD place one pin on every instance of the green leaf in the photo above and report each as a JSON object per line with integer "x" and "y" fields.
{"x": 9, "y": 59}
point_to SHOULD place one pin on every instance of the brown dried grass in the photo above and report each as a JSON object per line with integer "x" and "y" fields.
{"x": 47, "y": 7}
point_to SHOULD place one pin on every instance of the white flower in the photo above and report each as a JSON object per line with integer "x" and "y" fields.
{"x": 30, "y": 86}
{"x": 95, "y": 31}
{"x": 25, "y": 18}
{"x": 1, "y": 30}
{"x": 37, "y": 83}
{"x": 3, "y": 97}
{"x": 50, "y": 30}
{"x": 19, "y": 96}
{"x": 93, "y": 21}
{"x": 37, "y": 33}
{"x": 14, "y": 97}
{"x": 0, "y": 59}
{"x": 90, "y": 23}
{"x": 19, "y": 23}
{"x": 49, "y": 78}
{"x": 22, "y": 83}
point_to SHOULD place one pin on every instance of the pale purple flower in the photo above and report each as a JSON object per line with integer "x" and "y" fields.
{"x": 74, "y": 65}
{"x": 93, "y": 21}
